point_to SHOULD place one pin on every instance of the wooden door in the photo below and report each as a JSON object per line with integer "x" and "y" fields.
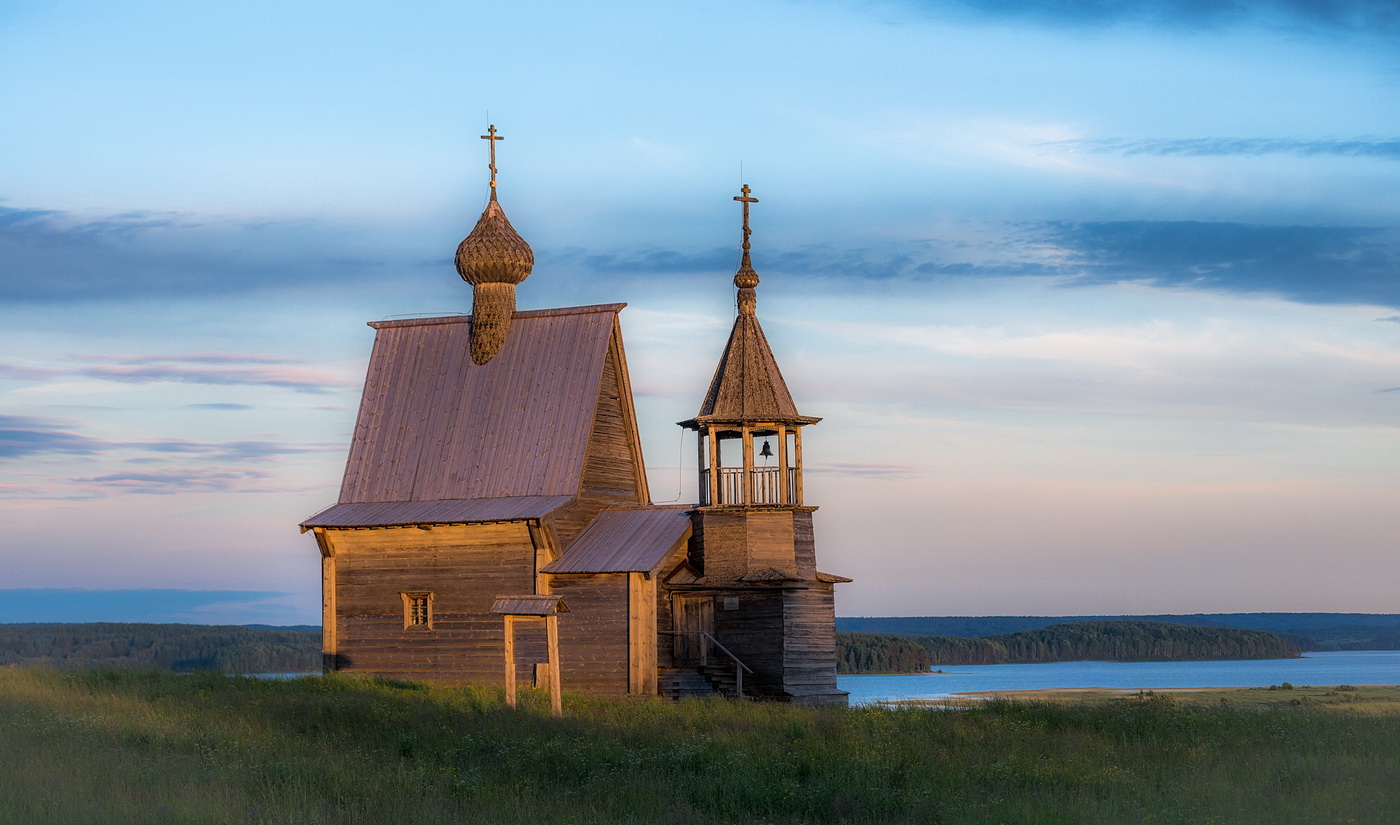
{"x": 692, "y": 614}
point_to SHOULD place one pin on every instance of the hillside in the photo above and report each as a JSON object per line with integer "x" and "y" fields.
{"x": 1315, "y": 631}
{"x": 227, "y": 648}
{"x": 123, "y": 747}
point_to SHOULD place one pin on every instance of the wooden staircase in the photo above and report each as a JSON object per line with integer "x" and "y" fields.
{"x": 697, "y": 683}
{"x": 677, "y": 683}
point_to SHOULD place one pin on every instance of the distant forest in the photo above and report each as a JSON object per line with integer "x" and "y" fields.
{"x": 1106, "y": 641}
{"x": 232, "y": 649}
{"x": 873, "y": 653}
{"x": 1310, "y": 631}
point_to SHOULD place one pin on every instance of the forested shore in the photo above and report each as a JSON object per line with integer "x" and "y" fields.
{"x": 227, "y": 648}
{"x": 1110, "y": 641}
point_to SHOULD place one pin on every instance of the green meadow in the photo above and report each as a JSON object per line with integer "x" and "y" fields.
{"x": 120, "y": 746}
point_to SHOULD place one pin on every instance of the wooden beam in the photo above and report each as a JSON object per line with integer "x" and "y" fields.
{"x": 551, "y": 632}
{"x": 746, "y": 438}
{"x": 784, "y": 493}
{"x": 714, "y": 466}
{"x": 641, "y": 634}
{"x": 797, "y": 443}
{"x": 510, "y": 660}
{"x": 329, "y": 619}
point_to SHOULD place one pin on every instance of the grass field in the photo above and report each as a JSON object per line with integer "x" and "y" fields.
{"x": 130, "y": 747}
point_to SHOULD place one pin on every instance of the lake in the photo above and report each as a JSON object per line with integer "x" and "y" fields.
{"x": 1355, "y": 667}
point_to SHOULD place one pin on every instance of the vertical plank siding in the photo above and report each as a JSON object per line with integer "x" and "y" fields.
{"x": 809, "y": 644}
{"x": 593, "y": 636}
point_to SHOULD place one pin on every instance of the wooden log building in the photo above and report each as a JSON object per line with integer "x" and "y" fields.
{"x": 496, "y": 455}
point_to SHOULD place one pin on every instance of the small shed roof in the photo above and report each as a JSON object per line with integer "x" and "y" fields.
{"x": 635, "y": 539}
{"x": 448, "y": 511}
{"x": 529, "y": 605}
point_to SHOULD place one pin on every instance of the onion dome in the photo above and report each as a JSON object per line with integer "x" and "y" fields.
{"x": 493, "y": 259}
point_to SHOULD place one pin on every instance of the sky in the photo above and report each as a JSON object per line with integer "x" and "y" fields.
{"x": 1099, "y": 302}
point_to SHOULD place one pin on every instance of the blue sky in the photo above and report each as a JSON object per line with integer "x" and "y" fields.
{"x": 1100, "y": 302}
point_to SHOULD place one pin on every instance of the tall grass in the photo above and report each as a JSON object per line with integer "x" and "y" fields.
{"x": 130, "y": 747}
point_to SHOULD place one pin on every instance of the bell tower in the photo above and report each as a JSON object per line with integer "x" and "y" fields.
{"x": 752, "y": 513}
{"x": 758, "y": 594}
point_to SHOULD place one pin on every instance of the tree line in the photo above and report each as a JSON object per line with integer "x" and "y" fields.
{"x": 1111, "y": 641}
{"x": 228, "y": 648}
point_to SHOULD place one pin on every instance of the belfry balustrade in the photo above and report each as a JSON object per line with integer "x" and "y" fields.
{"x": 750, "y": 465}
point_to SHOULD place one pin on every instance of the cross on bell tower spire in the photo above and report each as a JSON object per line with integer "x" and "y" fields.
{"x": 746, "y": 278}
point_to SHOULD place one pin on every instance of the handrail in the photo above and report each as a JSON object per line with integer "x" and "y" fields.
{"x": 725, "y": 650}
{"x": 739, "y": 667}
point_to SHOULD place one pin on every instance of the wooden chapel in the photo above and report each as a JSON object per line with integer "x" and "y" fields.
{"x": 496, "y": 455}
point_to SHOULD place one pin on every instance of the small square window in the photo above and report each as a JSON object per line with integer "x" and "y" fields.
{"x": 417, "y": 611}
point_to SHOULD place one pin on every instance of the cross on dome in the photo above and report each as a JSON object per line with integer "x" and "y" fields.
{"x": 493, "y": 137}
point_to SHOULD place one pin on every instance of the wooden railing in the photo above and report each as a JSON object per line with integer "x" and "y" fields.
{"x": 704, "y": 641}
{"x": 767, "y": 485}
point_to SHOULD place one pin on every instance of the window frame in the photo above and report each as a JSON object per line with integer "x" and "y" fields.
{"x": 411, "y": 596}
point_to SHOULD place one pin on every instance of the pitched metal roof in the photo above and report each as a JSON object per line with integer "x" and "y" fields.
{"x": 529, "y": 605}
{"x": 452, "y": 511}
{"x": 624, "y": 541}
{"x": 433, "y": 426}
{"x": 747, "y": 385}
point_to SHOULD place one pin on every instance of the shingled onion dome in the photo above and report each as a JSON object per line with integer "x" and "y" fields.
{"x": 493, "y": 259}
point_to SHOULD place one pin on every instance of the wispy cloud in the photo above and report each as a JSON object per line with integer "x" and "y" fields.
{"x": 176, "y": 480}
{"x": 200, "y": 368}
{"x": 1316, "y": 264}
{"x": 231, "y": 450}
{"x": 850, "y": 469}
{"x": 58, "y": 256}
{"x": 907, "y": 260}
{"x": 190, "y": 358}
{"x": 1311, "y": 264}
{"x": 221, "y": 406}
{"x": 1362, "y": 147}
{"x": 25, "y": 436}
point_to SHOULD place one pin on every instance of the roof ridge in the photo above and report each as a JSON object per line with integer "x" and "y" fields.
{"x": 527, "y": 313}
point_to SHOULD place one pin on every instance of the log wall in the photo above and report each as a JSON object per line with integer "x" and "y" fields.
{"x": 465, "y": 567}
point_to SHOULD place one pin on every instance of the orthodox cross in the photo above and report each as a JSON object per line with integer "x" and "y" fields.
{"x": 491, "y": 136}
{"x": 746, "y": 200}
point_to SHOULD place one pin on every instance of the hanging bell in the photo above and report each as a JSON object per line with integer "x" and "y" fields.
{"x": 767, "y": 451}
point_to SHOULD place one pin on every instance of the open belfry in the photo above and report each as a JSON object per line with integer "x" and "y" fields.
{"x": 496, "y": 461}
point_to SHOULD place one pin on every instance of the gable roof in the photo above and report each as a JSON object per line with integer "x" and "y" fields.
{"x": 747, "y": 385}
{"x": 435, "y": 427}
{"x": 636, "y": 539}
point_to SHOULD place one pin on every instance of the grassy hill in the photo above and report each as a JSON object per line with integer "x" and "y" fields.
{"x": 120, "y": 747}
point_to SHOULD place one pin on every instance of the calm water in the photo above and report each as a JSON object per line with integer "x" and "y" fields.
{"x": 1361, "y": 667}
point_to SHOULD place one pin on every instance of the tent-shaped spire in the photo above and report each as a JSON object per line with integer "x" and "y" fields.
{"x": 748, "y": 386}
